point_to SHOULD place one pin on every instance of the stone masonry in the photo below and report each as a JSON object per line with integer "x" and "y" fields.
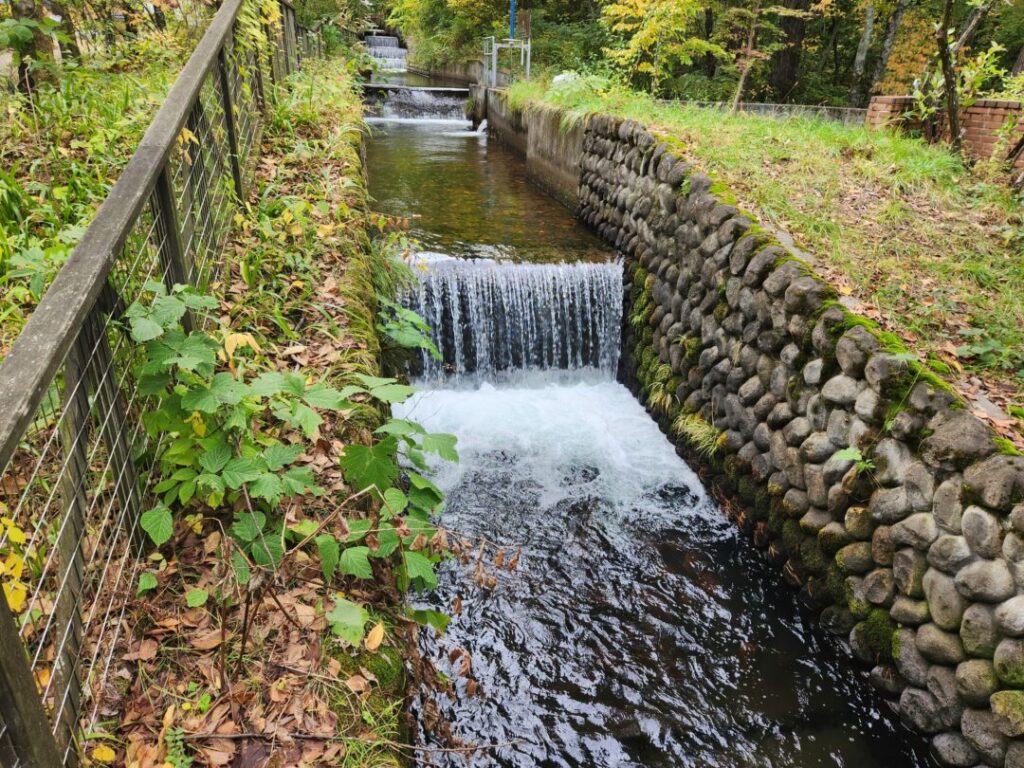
{"x": 891, "y": 507}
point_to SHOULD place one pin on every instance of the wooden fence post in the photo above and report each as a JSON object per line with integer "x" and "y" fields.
{"x": 229, "y": 122}
{"x": 172, "y": 250}
{"x": 23, "y": 713}
{"x": 74, "y": 437}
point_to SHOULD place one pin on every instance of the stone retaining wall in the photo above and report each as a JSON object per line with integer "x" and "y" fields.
{"x": 887, "y": 503}
{"x": 892, "y": 508}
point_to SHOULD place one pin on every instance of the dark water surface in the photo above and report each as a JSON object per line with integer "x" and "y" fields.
{"x": 639, "y": 628}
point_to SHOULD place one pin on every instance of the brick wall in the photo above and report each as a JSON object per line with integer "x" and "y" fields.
{"x": 982, "y": 122}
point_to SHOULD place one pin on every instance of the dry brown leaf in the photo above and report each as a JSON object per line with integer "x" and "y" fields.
{"x": 357, "y": 684}
{"x": 207, "y": 641}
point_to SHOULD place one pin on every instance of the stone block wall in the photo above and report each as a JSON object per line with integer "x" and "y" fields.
{"x": 984, "y": 123}
{"x": 893, "y": 509}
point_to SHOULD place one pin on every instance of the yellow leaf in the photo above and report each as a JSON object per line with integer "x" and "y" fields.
{"x": 104, "y": 754}
{"x": 15, "y": 592}
{"x": 187, "y": 136}
{"x": 14, "y": 566}
{"x": 375, "y": 637}
{"x": 198, "y": 425}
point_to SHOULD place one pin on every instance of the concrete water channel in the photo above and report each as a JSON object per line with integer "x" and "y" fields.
{"x": 640, "y": 628}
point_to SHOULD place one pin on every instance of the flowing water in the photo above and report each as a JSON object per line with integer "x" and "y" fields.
{"x": 491, "y": 319}
{"x": 388, "y": 51}
{"x": 639, "y": 628}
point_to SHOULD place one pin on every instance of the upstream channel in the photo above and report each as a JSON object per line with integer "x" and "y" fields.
{"x": 639, "y": 628}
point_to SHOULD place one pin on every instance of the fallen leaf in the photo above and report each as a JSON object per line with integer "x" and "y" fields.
{"x": 104, "y": 754}
{"x": 375, "y": 637}
{"x": 357, "y": 684}
{"x": 207, "y": 641}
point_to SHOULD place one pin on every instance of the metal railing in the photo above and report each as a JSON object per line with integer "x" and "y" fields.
{"x": 74, "y": 454}
{"x": 492, "y": 50}
{"x": 844, "y": 115}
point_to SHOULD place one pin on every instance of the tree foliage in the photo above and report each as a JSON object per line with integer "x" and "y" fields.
{"x": 806, "y": 51}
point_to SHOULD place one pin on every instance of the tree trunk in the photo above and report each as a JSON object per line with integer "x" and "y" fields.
{"x": 860, "y": 60}
{"x": 37, "y": 55}
{"x": 949, "y": 75}
{"x": 971, "y": 27}
{"x": 833, "y": 46}
{"x": 749, "y": 62}
{"x": 890, "y": 38}
{"x": 69, "y": 45}
{"x": 786, "y": 62}
{"x": 710, "y": 62}
{"x": 1018, "y": 68}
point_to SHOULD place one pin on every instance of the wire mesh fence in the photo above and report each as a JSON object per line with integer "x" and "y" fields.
{"x": 73, "y": 448}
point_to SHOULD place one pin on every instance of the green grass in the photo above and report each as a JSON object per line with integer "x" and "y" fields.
{"x": 62, "y": 152}
{"x": 929, "y": 248}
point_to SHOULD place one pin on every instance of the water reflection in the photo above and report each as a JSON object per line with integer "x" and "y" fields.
{"x": 469, "y": 196}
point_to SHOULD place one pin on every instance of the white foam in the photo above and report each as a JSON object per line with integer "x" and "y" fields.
{"x": 553, "y": 430}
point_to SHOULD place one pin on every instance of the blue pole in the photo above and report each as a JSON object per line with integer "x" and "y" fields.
{"x": 512, "y": 20}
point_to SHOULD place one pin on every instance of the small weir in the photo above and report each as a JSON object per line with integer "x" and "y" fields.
{"x": 490, "y": 319}
{"x": 388, "y": 51}
{"x": 402, "y": 102}
{"x": 639, "y": 628}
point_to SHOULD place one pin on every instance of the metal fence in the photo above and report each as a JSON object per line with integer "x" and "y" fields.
{"x": 844, "y": 115}
{"x": 73, "y": 451}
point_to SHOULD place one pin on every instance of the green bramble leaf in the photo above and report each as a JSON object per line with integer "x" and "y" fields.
{"x": 419, "y": 568}
{"x": 147, "y": 581}
{"x": 366, "y": 466}
{"x": 144, "y": 329}
{"x": 435, "y": 619}
{"x": 194, "y": 598}
{"x": 347, "y": 620}
{"x": 355, "y": 562}
{"x": 158, "y": 523}
{"x": 279, "y": 456}
{"x": 328, "y": 551}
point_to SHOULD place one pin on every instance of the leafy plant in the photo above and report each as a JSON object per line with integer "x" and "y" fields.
{"x": 861, "y": 463}
{"x": 222, "y": 449}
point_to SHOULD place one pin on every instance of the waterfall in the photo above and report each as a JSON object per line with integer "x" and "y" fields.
{"x": 387, "y": 51}
{"x": 490, "y": 319}
{"x": 422, "y": 103}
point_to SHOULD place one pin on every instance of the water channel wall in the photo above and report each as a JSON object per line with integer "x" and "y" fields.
{"x": 894, "y": 510}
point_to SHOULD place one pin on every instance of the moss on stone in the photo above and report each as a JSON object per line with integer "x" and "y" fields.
{"x": 860, "y": 609}
{"x": 1006, "y": 447}
{"x": 878, "y": 631}
{"x": 1008, "y": 707}
{"x": 723, "y": 193}
{"x": 836, "y": 583}
{"x": 812, "y": 556}
{"x": 792, "y": 536}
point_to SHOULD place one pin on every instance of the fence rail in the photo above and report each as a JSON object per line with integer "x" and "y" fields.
{"x": 844, "y": 115}
{"x": 73, "y": 450}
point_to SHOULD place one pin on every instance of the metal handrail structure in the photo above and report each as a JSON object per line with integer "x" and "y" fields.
{"x": 74, "y": 456}
{"x": 492, "y": 49}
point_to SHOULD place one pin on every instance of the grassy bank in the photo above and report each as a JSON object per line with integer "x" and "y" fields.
{"x": 62, "y": 151}
{"x": 910, "y": 237}
{"x": 286, "y": 597}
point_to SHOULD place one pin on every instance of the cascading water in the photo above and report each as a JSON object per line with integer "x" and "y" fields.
{"x": 388, "y": 52}
{"x": 490, "y": 319}
{"x": 417, "y": 103}
{"x": 640, "y": 629}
